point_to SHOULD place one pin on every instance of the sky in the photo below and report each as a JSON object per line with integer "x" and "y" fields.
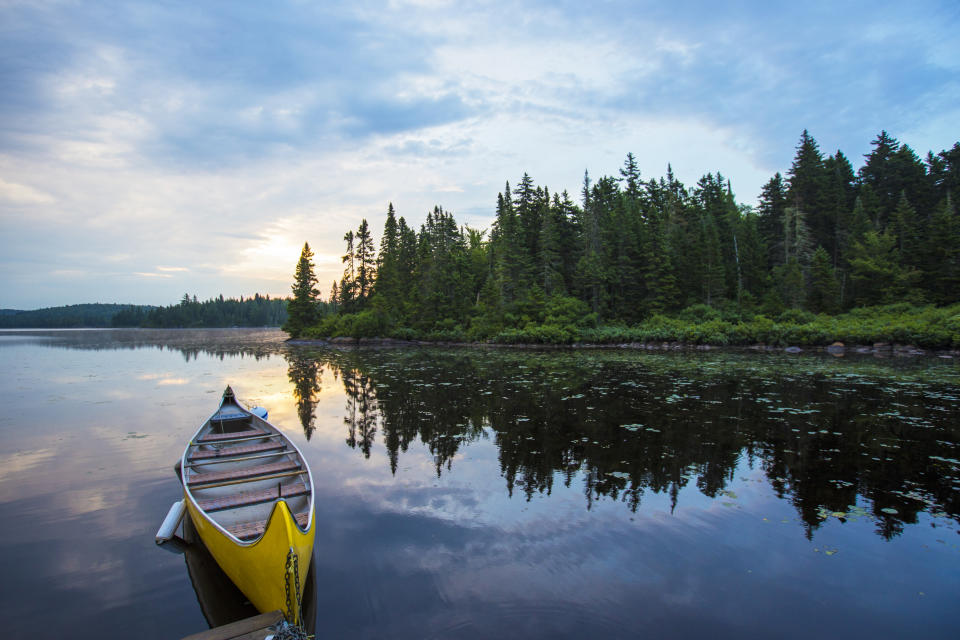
{"x": 152, "y": 149}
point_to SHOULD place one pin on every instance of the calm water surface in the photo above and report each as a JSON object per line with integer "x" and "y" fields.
{"x": 480, "y": 493}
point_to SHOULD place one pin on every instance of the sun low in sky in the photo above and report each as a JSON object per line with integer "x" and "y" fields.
{"x": 149, "y": 149}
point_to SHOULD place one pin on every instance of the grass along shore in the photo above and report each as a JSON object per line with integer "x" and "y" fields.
{"x": 925, "y": 327}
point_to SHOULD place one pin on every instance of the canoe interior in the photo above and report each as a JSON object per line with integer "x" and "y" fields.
{"x": 238, "y": 465}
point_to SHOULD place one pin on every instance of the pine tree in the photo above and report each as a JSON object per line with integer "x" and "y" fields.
{"x": 302, "y": 310}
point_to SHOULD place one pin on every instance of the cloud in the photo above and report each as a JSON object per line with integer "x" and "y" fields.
{"x": 213, "y": 139}
{"x": 14, "y": 193}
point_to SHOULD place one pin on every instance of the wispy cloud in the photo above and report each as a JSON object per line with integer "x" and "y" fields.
{"x": 214, "y": 138}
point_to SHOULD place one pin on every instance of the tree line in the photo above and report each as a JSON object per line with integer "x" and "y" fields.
{"x": 823, "y": 239}
{"x": 258, "y": 311}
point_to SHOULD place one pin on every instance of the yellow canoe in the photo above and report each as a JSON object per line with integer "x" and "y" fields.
{"x": 249, "y": 493}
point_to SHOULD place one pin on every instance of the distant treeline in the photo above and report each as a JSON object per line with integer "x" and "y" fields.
{"x": 258, "y": 311}
{"x": 70, "y": 316}
{"x": 826, "y": 238}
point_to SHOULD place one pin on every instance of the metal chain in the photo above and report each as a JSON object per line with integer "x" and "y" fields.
{"x": 286, "y": 585}
{"x": 286, "y": 630}
{"x": 296, "y": 583}
{"x": 293, "y": 568}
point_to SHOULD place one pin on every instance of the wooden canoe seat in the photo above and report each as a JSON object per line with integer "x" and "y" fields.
{"x": 230, "y": 435}
{"x": 252, "y": 497}
{"x": 251, "y": 530}
{"x": 247, "y": 472}
{"x": 242, "y": 449}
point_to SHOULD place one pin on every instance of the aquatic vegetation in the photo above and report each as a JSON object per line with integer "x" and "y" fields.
{"x": 828, "y": 434}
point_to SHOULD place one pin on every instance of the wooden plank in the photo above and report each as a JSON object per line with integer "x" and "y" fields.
{"x": 300, "y": 472}
{"x": 247, "y": 472}
{"x": 235, "y": 451}
{"x": 240, "y": 628}
{"x": 259, "y": 456}
{"x": 219, "y": 437}
{"x": 248, "y": 498}
{"x": 251, "y": 530}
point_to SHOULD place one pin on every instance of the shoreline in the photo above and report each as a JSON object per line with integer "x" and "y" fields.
{"x": 880, "y": 349}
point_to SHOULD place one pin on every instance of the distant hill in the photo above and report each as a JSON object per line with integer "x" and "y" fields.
{"x": 70, "y": 316}
{"x": 257, "y": 311}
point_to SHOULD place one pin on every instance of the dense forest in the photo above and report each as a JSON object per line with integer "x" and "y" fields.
{"x": 824, "y": 239}
{"x": 74, "y": 315}
{"x": 258, "y": 311}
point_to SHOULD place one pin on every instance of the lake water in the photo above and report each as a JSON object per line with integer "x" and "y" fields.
{"x": 478, "y": 493}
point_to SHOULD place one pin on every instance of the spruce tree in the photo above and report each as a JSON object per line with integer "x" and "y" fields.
{"x": 773, "y": 202}
{"x": 302, "y": 310}
{"x": 365, "y": 262}
{"x": 386, "y": 284}
{"x": 878, "y": 275}
{"x": 348, "y": 283}
{"x": 942, "y": 254}
{"x": 824, "y": 296}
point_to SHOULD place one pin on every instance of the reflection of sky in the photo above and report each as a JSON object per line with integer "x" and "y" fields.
{"x": 86, "y": 478}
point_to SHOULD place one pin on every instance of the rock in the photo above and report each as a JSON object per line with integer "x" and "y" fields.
{"x": 836, "y": 347}
{"x": 793, "y": 350}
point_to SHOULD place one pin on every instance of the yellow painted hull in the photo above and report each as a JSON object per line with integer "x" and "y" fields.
{"x": 258, "y": 568}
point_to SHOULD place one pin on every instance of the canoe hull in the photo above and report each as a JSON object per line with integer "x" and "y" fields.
{"x": 259, "y": 568}
{"x": 249, "y": 494}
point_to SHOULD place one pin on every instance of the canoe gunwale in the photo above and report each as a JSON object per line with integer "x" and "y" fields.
{"x": 270, "y": 431}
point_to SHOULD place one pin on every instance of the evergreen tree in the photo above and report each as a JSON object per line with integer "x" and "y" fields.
{"x": 879, "y": 173}
{"x": 824, "y": 294}
{"x": 773, "y": 203}
{"x": 348, "y": 283}
{"x": 302, "y": 310}
{"x": 797, "y": 242}
{"x": 905, "y": 227}
{"x": 365, "y": 262}
{"x": 877, "y": 274}
{"x": 839, "y": 200}
{"x": 807, "y": 191}
{"x": 387, "y": 260}
{"x": 942, "y": 254}
{"x": 792, "y": 283}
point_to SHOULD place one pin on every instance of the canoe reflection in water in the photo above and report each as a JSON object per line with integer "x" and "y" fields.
{"x": 220, "y": 600}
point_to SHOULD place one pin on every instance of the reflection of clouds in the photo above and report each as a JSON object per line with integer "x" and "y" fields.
{"x": 80, "y": 501}
{"x": 166, "y": 382}
{"x": 13, "y": 464}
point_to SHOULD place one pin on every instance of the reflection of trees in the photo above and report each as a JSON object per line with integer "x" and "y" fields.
{"x": 191, "y": 343}
{"x": 626, "y": 427}
{"x": 304, "y": 372}
{"x": 361, "y": 418}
